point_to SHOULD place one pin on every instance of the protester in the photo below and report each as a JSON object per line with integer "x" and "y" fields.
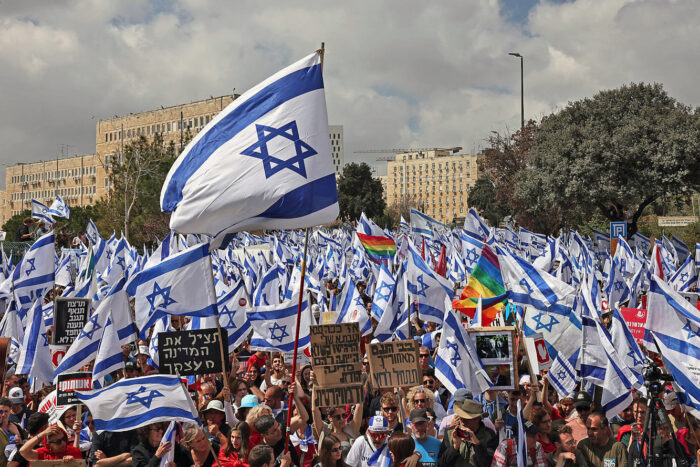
{"x": 468, "y": 442}
{"x": 194, "y": 439}
{"x": 55, "y": 446}
{"x": 20, "y": 412}
{"x": 270, "y": 430}
{"x": 427, "y": 446}
{"x": 330, "y": 454}
{"x": 234, "y": 453}
{"x": 599, "y": 449}
{"x": 582, "y": 404}
{"x": 507, "y": 452}
{"x": 566, "y": 454}
{"x": 401, "y": 447}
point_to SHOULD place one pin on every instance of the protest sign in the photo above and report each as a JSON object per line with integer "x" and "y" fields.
{"x": 394, "y": 364}
{"x": 59, "y": 463}
{"x": 335, "y": 352}
{"x": 189, "y": 353}
{"x": 693, "y": 298}
{"x": 67, "y": 383}
{"x": 70, "y": 316}
{"x": 48, "y": 406}
{"x": 636, "y": 319}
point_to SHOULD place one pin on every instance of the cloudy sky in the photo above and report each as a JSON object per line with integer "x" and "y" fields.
{"x": 402, "y": 73}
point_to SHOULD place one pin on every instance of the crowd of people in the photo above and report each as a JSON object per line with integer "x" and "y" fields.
{"x": 245, "y": 417}
{"x": 30, "y": 230}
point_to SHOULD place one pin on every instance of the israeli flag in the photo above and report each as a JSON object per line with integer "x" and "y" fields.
{"x": 267, "y": 292}
{"x": 626, "y": 347}
{"x": 686, "y": 276}
{"x": 84, "y": 348}
{"x": 169, "y": 437}
{"x": 475, "y": 226}
{"x": 180, "y": 285}
{"x": 675, "y": 326}
{"x": 457, "y": 364}
{"x": 617, "y": 290}
{"x": 394, "y": 319}
{"x": 232, "y": 315}
{"x": 352, "y": 309}
{"x": 432, "y": 291}
{"x": 34, "y": 274}
{"x": 423, "y": 224}
{"x": 41, "y": 211}
{"x": 136, "y": 402}
{"x": 274, "y": 326}
{"x": 682, "y": 249}
{"x": 382, "y": 292}
{"x": 471, "y": 250}
{"x": 263, "y": 163}
{"x": 92, "y": 233}
{"x": 59, "y": 208}
{"x": 34, "y": 357}
{"x": 641, "y": 242}
{"x": 109, "y": 355}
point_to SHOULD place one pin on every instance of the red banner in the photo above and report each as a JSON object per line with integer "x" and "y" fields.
{"x": 635, "y": 318}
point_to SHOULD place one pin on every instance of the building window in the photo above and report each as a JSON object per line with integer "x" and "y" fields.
{"x": 168, "y": 127}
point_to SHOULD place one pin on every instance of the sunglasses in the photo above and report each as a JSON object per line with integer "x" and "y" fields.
{"x": 58, "y": 441}
{"x": 378, "y": 435}
{"x": 428, "y": 381}
{"x": 338, "y": 449}
{"x": 365, "y": 363}
{"x": 419, "y": 401}
{"x": 583, "y": 409}
{"x": 390, "y": 409}
{"x": 424, "y": 355}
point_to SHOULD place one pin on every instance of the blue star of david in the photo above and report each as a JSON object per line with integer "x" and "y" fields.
{"x": 471, "y": 255}
{"x": 31, "y": 267}
{"x": 109, "y": 255}
{"x": 358, "y": 301}
{"x": 423, "y": 286}
{"x": 684, "y": 276}
{"x": 120, "y": 262}
{"x": 619, "y": 286}
{"x": 561, "y": 374}
{"x": 691, "y": 331}
{"x": 95, "y": 326}
{"x": 355, "y": 262}
{"x": 455, "y": 355}
{"x": 46, "y": 340}
{"x": 633, "y": 355}
{"x": 224, "y": 311}
{"x": 540, "y": 325}
{"x": 523, "y": 283}
{"x": 158, "y": 292}
{"x": 380, "y": 295}
{"x": 272, "y": 164}
{"x": 283, "y": 332}
{"x": 133, "y": 397}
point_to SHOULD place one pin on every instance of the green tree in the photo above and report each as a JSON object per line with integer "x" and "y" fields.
{"x": 614, "y": 153}
{"x": 133, "y": 203}
{"x": 483, "y": 197}
{"x": 359, "y": 191}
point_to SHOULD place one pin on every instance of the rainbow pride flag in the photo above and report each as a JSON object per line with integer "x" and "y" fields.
{"x": 377, "y": 247}
{"x": 486, "y": 281}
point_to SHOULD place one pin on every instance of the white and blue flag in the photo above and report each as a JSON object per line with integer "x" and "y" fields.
{"x": 41, "y": 211}
{"x": 423, "y": 224}
{"x": 182, "y": 284}
{"x": 263, "y": 163}
{"x": 136, "y": 402}
{"x": 432, "y": 291}
{"x": 34, "y": 274}
{"x": 686, "y": 276}
{"x": 59, "y": 208}
{"x": 232, "y": 315}
{"x": 275, "y": 326}
{"x": 382, "y": 292}
{"x": 35, "y": 357}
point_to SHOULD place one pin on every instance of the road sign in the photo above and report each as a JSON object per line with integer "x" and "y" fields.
{"x": 618, "y": 229}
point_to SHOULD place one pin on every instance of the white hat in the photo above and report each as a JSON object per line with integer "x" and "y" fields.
{"x": 378, "y": 424}
{"x": 525, "y": 379}
{"x": 143, "y": 350}
{"x": 215, "y": 405}
{"x": 670, "y": 401}
{"x": 16, "y": 395}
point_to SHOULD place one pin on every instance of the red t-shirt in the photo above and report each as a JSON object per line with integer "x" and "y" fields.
{"x": 255, "y": 360}
{"x": 44, "y": 454}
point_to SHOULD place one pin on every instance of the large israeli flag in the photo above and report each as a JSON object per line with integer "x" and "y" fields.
{"x": 182, "y": 284}
{"x": 263, "y": 163}
{"x": 41, "y": 211}
{"x": 275, "y": 326}
{"x": 35, "y": 272}
{"x": 59, "y": 208}
{"x": 136, "y": 402}
{"x": 232, "y": 315}
{"x": 35, "y": 358}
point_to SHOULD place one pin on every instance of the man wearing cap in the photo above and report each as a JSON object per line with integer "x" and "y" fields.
{"x": 215, "y": 416}
{"x": 131, "y": 370}
{"x": 468, "y": 443}
{"x": 599, "y": 449}
{"x": 507, "y": 453}
{"x": 373, "y": 446}
{"x": 673, "y": 410}
{"x": 428, "y": 446}
{"x": 20, "y": 412}
{"x": 582, "y": 404}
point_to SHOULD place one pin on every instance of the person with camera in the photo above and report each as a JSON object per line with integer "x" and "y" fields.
{"x": 468, "y": 443}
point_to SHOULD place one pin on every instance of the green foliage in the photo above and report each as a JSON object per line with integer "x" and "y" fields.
{"x": 359, "y": 191}
{"x": 133, "y": 203}
{"x": 13, "y": 224}
{"x": 615, "y": 153}
{"x": 482, "y": 197}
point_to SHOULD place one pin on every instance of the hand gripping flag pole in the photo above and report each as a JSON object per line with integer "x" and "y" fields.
{"x": 296, "y": 335}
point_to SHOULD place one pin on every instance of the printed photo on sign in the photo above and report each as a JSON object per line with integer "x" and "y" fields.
{"x": 502, "y": 376}
{"x": 495, "y": 346}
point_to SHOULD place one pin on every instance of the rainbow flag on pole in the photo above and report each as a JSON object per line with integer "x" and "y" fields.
{"x": 486, "y": 281}
{"x": 377, "y": 248}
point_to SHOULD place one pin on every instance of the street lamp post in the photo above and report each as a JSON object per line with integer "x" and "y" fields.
{"x": 522, "y": 92}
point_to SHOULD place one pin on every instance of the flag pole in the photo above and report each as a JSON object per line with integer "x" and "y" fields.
{"x": 296, "y": 335}
{"x": 212, "y": 292}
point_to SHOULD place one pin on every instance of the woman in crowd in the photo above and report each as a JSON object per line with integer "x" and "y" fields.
{"x": 401, "y": 447}
{"x": 338, "y": 426}
{"x": 195, "y": 440}
{"x": 149, "y": 451}
{"x": 255, "y": 413}
{"x": 542, "y": 420}
{"x": 331, "y": 454}
{"x": 235, "y": 452}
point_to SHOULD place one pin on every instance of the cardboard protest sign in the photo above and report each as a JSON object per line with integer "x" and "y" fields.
{"x": 394, "y": 364}
{"x": 69, "y": 318}
{"x": 336, "y": 362}
{"x": 636, "y": 319}
{"x": 60, "y": 463}
{"x": 67, "y": 383}
{"x": 189, "y": 353}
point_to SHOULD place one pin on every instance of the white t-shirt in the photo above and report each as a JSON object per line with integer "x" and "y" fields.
{"x": 361, "y": 450}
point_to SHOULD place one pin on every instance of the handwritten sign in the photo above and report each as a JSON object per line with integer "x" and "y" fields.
{"x": 70, "y": 316}
{"x": 336, "y": 362}
{"x": 394, "y": 364}
{"x": 69, "y": 382}
{"x": 189, "y": 353}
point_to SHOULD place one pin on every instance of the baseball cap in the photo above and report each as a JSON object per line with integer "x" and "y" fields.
{"x": 524, "y": 379}
{"x": 530, "y": 428}
{"x": 130, "y": 366}
{"x": 215, "y": 405}
{"x": 143, "y": 350}
{"x": 378, "y": 424}
{"x": 16, "y": 395}
{"x": 670, "y": 401}
{"x": 468, "y": 409}
{"x": 418, "y": 415}
{"x": 582, "y": 399}
{"x": 462, "y": 395}
{"x": 249, "y": 400}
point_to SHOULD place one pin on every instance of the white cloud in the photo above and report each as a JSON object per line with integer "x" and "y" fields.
{"x": 397, "y": 74}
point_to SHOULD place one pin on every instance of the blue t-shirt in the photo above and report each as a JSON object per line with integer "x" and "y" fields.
{"x": 429, "y": 450}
